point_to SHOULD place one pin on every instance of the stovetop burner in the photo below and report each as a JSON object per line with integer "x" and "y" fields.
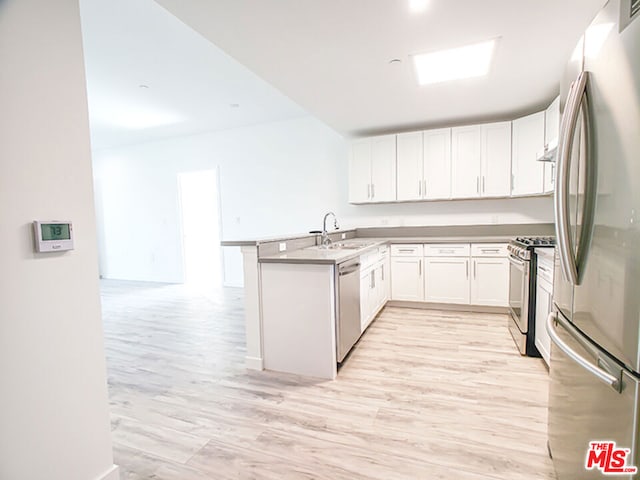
{"x": 523, "y": 246}
{"x": 536, "y": 241}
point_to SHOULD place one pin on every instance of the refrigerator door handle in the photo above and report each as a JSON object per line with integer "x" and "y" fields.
{"x": 561, "y": 198}
{"x": 595, "y": 370}
{"x": 590, "y": 192}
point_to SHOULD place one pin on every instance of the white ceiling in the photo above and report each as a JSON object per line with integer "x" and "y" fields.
{"x": 331, "y": 56}
{"x": 191, "y": 81}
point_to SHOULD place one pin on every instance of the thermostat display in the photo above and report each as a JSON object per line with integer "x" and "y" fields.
{"x": 53, "y": 236}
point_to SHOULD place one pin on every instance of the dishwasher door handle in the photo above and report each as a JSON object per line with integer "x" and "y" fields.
{"x": 350, "y": 269}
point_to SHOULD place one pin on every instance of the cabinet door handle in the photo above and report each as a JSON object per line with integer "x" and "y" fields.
{"x": 368, "y": 190}
{"x": 447, "y": 251}
{"x": 424, "y": 188}
{"x": 478, "y": 185}
{"x": 467, "y": 267}
{"x": 408, "y": 250}
{"x": 419, "y": 188}
{"x": 420, "y": 267}
{"x": 382, "y": 271}
{"x": 483, "y": 189}
{"x": 490, "y": 250}
{"x": 474, "y": 268}
{"x": 373, "y": 190}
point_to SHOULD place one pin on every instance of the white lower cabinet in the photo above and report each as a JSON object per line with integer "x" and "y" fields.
{"x": 365, "y": 293}
{"x": 374, "y": 289}
{"x": 463, "y": 274}
{"x": 544, "y": 300}
{"x": 544, "y": 294}
{"x": 407, "y": 279}
{"x": 490, "y": 281}
{"x": 446, "y": 280}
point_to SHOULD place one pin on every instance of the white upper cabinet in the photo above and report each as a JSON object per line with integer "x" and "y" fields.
{"x": 437, "y": 164}
{"x": 383, "y": 168}
{"x": 424, "y": 165}
{"x": 493, "y": 160}
{"x": 527, "y": 141}
{"x": 410, "y": 166}
{"x": 465, "y": 162}
{"x": 552, "y": 124}
{"x": 551, "y": 134}
{"x": 360, "y": 172}
{"x": 372, "y": 170}
{"x": 496, "y": 159}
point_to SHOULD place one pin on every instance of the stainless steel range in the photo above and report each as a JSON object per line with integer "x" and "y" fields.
{"x": 522, "y": 291}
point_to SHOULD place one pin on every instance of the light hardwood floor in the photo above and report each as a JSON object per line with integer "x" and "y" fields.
{"x": 424, "y": 395}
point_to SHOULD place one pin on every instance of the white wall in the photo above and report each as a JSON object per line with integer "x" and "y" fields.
{"x": 54, "y": 416}
{"x": 275, "y": 179}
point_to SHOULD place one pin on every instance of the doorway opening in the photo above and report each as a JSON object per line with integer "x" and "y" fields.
{"x": 199, "y": 210}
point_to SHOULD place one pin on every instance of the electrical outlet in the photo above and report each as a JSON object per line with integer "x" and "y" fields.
{"x": 384, "y": 221}
{"x": 343, "y": 236}
{"x": 283, "y": 246}
{"x": 494, "y": 219}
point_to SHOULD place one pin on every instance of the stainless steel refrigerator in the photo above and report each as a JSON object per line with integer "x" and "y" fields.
{"x": 595, "y": 323}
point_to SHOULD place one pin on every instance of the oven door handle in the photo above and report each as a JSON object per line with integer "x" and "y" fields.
{"x": 516, "y": 261}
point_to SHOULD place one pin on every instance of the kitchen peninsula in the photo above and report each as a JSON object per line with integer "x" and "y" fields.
{"x": 293, "y": 285}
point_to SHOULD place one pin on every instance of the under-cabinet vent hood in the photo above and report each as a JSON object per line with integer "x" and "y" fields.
{"x": 548, "y": 154}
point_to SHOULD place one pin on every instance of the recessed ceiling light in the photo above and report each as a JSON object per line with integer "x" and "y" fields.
{"x": 455, "y": 63}
{"x": 418, "y": 6}
{"x": 142, "y": 85}
{"x": 234, "y": 105}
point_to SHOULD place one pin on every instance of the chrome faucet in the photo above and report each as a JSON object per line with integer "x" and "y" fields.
{"x": 326, "y": 241}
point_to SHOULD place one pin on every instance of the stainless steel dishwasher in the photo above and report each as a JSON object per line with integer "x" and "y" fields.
{"x": 347, "y": 306}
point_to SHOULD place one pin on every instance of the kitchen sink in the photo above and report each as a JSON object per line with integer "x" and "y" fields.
{"x": 343, "y": 246}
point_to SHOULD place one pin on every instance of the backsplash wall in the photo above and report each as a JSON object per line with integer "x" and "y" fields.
{"x": 453, "y": 212}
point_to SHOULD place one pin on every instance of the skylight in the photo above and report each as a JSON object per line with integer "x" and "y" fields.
{"x": 455, "y": 63}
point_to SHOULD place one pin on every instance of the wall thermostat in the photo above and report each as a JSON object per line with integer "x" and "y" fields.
{"x": 53, "y": 235}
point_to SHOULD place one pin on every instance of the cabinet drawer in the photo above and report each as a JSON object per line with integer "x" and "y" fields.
{"x": 408, "y": 250}
{"x": 373, "y": 256}
{"x": 382, "y": 253}
{"x": 489, "y": 250}
{"x": 446, "y": 250}
{"x": 545, "y": 273}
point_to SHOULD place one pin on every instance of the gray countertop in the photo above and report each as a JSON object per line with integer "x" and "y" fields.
{"x": 439, "y": 233}
{"x": 279, "y": 238}
{"x": 314, "y": 255}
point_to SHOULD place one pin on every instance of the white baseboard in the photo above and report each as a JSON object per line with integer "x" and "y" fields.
{"x": 448, "y": 306}
{"x": 254, "y": 363}
{"x": 112, "y": 474}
